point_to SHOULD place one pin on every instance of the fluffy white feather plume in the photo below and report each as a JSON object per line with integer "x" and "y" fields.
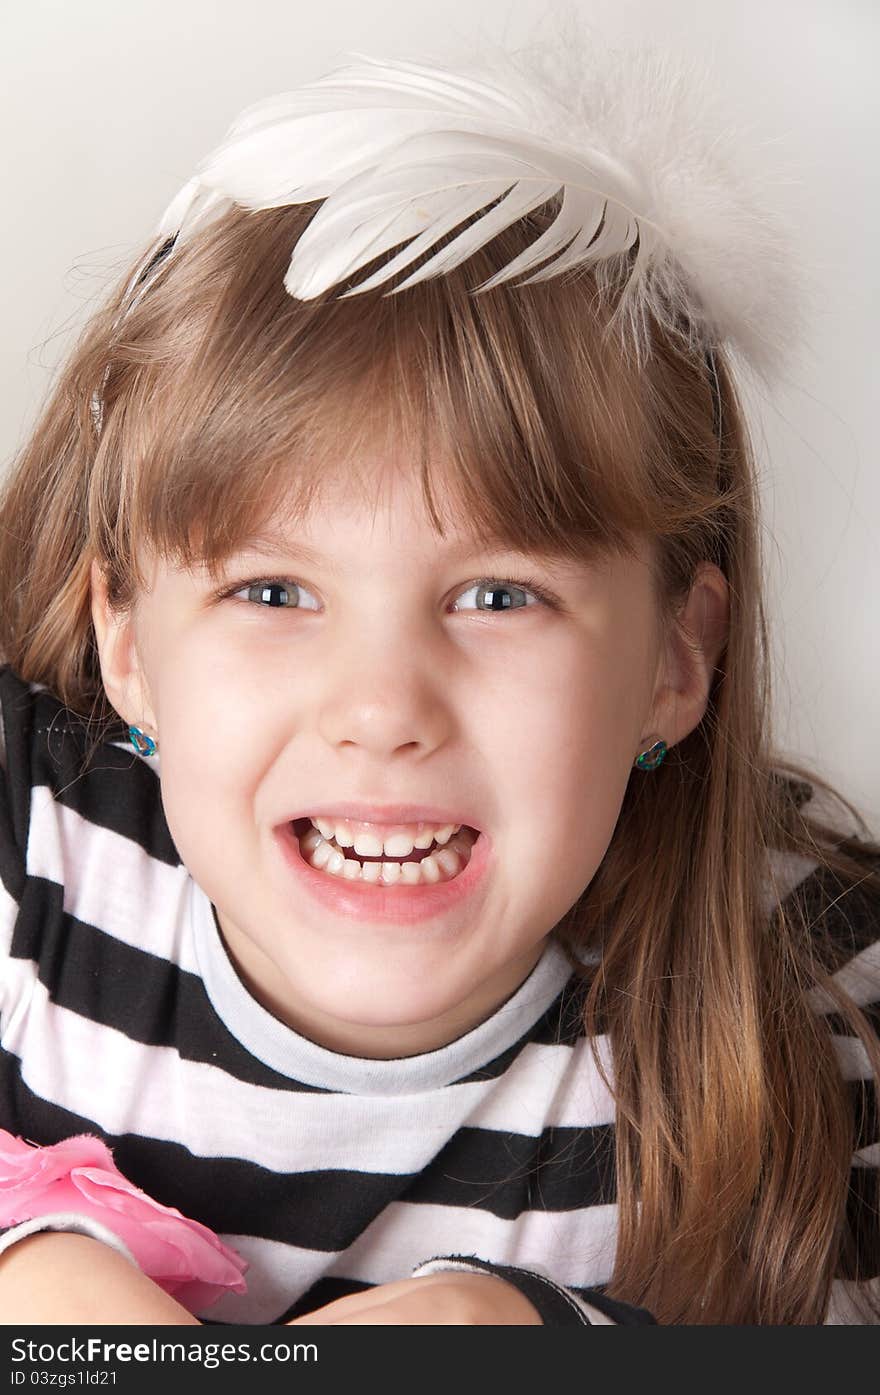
{"x": 631, "y": 141}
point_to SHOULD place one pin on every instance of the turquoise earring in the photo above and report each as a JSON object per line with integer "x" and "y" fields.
{"x": 143, "y": 744}
{"x": 650, "y": 759}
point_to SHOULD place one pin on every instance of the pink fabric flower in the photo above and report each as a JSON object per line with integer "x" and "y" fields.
{"x": 183, "y": 1257}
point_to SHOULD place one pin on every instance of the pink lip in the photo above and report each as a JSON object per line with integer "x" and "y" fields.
{"x": 384, "y": 813}
{"x": 366, "y": 902}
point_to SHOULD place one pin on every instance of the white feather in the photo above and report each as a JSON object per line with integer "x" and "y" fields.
{"x": 403, "y": 152}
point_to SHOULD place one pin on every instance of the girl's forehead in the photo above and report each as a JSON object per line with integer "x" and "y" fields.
{"x": 372, "y": 499}
{"x": 379, "y": 491}
{"x": 380, "y": 498}
{"x": 398, "y": 514}
{"x": 328, "y": 548}
{"x": 341, "y": 524}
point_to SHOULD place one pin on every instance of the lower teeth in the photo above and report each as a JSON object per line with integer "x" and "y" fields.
{"x": 442, "y": 865}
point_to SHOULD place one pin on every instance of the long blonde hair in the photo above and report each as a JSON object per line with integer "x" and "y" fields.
{"x": 225, "y": 400}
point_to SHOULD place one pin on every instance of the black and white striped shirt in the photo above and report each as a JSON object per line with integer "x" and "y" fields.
{"x": 122, "y": 1016}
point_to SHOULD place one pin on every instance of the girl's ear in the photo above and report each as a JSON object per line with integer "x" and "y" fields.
{"x": 699, "y": 640}
{"x": 121, "y": 671}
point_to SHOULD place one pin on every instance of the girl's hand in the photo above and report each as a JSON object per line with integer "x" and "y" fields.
{"x": 58, "y": 1277}
{"x": 472, "y": 1300}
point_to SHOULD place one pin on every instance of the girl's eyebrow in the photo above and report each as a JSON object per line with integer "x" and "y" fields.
{"x": 277, "y": 543}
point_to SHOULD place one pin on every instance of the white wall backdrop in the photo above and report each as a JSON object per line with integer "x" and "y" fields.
{"x": 106, "y": 108}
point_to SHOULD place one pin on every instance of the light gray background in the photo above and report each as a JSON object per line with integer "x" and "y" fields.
{"x": 107, "y": 107}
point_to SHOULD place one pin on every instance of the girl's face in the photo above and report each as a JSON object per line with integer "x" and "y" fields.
{"x": 370, "y": 667}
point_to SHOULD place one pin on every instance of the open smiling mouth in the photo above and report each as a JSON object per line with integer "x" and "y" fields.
{"x": 423, "y": 855}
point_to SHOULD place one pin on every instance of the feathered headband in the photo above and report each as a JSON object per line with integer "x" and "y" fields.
{"x": 654, "y": 195}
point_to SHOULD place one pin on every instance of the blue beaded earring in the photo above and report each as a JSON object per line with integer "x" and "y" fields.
{"x": 143, "y": 744}
{"x": 650, "y": 759}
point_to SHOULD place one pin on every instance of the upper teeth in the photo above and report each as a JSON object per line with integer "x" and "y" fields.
{"x": 396, "y": 842}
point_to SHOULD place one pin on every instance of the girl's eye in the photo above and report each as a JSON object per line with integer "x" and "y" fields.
{"x": 279, "y": 594}
{"x": 282, "y": 593}
{"x": 507, "y": 595}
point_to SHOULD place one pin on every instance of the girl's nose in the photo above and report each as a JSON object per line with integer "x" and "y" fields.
{"x": 384, "y": 697}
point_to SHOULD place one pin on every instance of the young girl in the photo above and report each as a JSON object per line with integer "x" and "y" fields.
{"x": 452, "y": 946}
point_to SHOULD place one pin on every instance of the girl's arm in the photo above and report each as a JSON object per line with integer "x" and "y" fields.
{"x": 59, "y": 1277}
